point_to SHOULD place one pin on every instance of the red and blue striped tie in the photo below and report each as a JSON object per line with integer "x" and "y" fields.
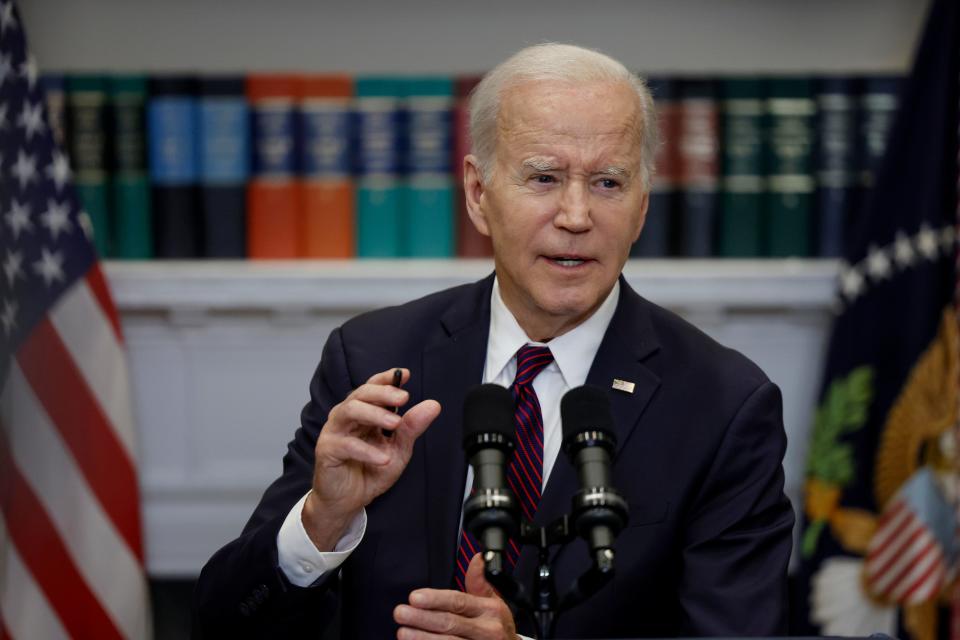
{"x": 525, "y": 473}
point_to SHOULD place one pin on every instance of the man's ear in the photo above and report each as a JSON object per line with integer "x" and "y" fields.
{"x": 473, "y": 190}
{"x": 644, "y": 204}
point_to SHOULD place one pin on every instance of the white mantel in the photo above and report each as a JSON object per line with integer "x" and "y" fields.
{"x": 222, "y": 352}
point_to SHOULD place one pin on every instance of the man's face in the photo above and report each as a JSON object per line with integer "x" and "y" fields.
{"x": 565, "y": 199}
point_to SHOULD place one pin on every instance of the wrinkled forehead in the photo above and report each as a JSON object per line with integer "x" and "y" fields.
{"x": 582, "y": 113}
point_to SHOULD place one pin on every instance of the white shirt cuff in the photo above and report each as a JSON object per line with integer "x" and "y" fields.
{"x": 300, "y": 560}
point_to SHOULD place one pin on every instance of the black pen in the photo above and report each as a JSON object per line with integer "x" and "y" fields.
{"x": 397, "y": 378}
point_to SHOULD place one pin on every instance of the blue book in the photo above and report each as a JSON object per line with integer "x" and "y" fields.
{"x": 379, "y": 151}
{"x": 174, "y": 168}
{"x": 835, "y": 162}
{"x": 428, "y": 208}
{"x": 224, "y": 165}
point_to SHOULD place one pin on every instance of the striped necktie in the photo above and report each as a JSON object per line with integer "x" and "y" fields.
{"x": 525, "y": 473}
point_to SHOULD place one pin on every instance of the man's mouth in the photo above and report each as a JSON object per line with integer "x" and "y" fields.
{"x": 567, "y": 261}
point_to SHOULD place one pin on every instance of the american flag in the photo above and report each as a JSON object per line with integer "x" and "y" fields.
{"x": 71, "y": 545}
{"x": 911, "y": 556}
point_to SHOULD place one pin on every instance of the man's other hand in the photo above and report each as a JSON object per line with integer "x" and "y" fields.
{"x": 478, "y": 614}
{"x": 356, "y": 460}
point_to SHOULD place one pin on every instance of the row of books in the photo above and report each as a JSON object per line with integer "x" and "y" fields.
{"x": 333, "y": 166}
{"x": 775, "y": 166}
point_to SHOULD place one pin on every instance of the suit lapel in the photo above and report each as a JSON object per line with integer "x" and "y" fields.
{"x": 628, "y": 341}
{"x": 451, "y": 366}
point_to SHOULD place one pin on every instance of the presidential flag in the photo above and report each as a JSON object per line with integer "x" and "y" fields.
{"x": 71, "y": 544}
{"x": 878, "y": 548}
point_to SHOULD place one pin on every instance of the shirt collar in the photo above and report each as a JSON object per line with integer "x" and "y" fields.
{"x": 573, "y": 352}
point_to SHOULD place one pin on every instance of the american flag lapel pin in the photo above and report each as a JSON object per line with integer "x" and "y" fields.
{"x": 623, "y": 385}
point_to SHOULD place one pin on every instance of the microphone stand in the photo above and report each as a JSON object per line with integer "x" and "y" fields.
{"x": 546, "y": 606}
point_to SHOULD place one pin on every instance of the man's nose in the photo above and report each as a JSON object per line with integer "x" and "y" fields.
{"x": 573, "y": 213}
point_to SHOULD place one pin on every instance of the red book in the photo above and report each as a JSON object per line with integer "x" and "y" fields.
{"x": 273, "y": 195}
{"x": 327, "y": 190}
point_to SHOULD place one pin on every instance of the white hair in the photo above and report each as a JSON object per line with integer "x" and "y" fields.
{"x": 566, "y": 63}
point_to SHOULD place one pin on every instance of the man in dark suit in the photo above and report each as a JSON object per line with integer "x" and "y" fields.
{"x": 368, "y": 525}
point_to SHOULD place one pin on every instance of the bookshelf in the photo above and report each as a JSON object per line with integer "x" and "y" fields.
{"x": 221, "y": 353}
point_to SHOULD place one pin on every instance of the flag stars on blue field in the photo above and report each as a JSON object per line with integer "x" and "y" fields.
{"x": 949, "y": 236}
{"x": 31, "y": 120}
{"x": 59, "y": 170}
{"x": 24, "y": 169}
{"x": 18, "y": 219}
{"x": 878, "y": 263}
{"x": 56, "y": 218}
{"x": 7, "y": 21}
{"x": 30, "y": 71}
{"x": 49, "y": 266}
{"x": 86, "y": 224}
{"x": 851, "y": 282}
{"x": 9, "y": 316}
{"x": 906, "y": 251}
{"x": 927, "y": 242}
{"x": 13, "y": 267}
{"x": 6, "y": 68}
{"x": 903, "y": 252}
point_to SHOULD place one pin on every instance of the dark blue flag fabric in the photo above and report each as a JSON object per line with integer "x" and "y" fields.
{"x": 878, "y": 549}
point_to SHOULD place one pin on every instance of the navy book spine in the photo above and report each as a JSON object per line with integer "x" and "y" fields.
{"x": 172, "y": 135}
{"x": 835, "y": 162}
{"x": 224, "y": 165}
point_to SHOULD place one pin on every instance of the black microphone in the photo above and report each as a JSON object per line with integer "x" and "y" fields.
{"x": 491, "y": 513}
{"x": 599, "y": 511}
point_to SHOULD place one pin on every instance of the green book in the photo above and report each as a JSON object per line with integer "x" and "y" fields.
{"x": 741, "y": 213}
{"x": 790, "y": 182}
{"x": 428, "y": 216}
{"x": 132, "y": 229}
{"x": 379, "y": 192}
{"x": 87, "y": 142}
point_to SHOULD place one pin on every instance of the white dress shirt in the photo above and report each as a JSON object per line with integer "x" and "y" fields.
{"x": 573, "y": 355}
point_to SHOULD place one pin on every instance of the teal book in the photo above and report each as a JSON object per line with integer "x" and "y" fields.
{"x": 378, "y": 164}
{"x": 790, "y": 184}
{"x": 428, "y": 209}
{"x": 132, "y": 221}
{"x": 742, "y": 168}
{"x": 87, "y": 129}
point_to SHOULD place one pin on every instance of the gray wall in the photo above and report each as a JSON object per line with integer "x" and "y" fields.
{"x": 692, "y": 36}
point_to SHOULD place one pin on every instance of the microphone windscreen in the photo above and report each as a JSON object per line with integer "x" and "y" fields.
{"x": 488, "y": 408}
{"x": 585, "y": 408}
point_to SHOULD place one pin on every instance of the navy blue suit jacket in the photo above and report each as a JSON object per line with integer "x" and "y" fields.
{"x": 701, "y": 441}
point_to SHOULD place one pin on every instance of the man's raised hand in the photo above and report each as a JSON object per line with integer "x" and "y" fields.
{"x": 355, "y": 461}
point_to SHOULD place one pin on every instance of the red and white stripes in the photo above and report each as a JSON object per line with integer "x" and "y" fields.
{"x": 71, "y": 549}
